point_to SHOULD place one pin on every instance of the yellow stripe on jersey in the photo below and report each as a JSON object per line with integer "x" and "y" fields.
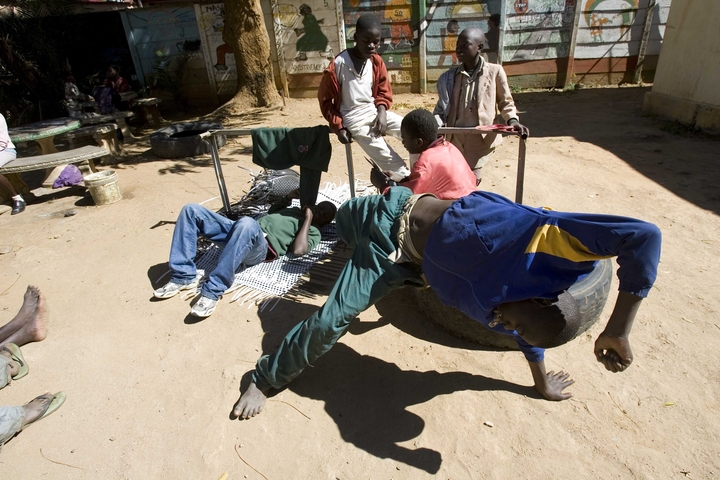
{"x": 550, "y": 239}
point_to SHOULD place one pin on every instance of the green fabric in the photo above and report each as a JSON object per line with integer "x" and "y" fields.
{"x": 369, "y": 225}
{"x": 307, "y": 147}
{"x": 282, "y": 225}
{"x": 280, "y": 148}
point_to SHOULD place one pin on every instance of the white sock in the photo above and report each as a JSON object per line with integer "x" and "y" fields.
{"x": 18, "y": 197}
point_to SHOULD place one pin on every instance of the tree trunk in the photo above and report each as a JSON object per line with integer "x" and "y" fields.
{"x": 245, "y": 32}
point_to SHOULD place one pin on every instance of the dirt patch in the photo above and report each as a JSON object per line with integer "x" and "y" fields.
{"x": 149, "y": 395}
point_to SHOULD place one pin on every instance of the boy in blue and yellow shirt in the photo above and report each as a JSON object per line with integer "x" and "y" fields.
{"x": 506, "y": 265}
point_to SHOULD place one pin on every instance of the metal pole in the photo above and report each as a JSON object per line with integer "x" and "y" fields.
{"x": 351, "y": 169}
{"x": 520, "y": 171}
{"x": 422, "y": 48}
{"x": 218, "y": 173}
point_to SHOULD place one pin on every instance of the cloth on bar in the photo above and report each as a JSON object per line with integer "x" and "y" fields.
{"x": 307, "y": 147}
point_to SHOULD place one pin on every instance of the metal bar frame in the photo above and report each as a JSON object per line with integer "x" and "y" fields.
{"x": 520, "y": 181}
{"x": 210, "y": 138}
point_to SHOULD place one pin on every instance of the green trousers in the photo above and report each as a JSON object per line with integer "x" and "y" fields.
{"x": 370, "y": 226}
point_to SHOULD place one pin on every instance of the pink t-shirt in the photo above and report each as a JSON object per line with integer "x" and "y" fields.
{"x": 443, "y": 171}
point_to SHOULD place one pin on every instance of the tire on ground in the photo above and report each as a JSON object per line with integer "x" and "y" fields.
{"x": 590, "y": 293}
{"x": 182, "y": 140}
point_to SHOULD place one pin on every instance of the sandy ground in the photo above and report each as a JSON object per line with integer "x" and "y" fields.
{"x": 150, "y": 392}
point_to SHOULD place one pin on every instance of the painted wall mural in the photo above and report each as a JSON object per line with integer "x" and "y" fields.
{"x": 399, "y": 34}
{"x": 447, "y": 20}
{"x": 538, "y": 29}
{"x": 613, "y": 28}
{"x": 219, "y": 57}
{"x": 306, "y": 34}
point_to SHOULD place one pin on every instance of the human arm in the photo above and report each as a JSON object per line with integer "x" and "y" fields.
{"x": 382, "y": 91}
{"x": 636, "y": 244}
{"x": 328, "y": 98}
{"x": 344, "y": 136}
{"x": 300, "y": 244}
{"x": 612, "y": 347}
{"x": 551, "y": 385}
{"x": 442, "y": 106}
{"x": 524, "y": 131}
{"x": 504, "y": 98}
{"x": 379, "y": 126}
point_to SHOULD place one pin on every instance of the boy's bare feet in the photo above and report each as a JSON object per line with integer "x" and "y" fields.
{"x": 30, "y": 324}
{"x": 250, "y": 403}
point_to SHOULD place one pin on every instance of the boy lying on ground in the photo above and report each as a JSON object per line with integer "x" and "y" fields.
{"x": 440, "y": 168}
{"x": 246, "y": 242}
{"x": 505, "y": 265}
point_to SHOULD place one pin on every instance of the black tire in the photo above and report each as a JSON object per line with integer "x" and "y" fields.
{"x": 182, "y": 140}
{"x": 590, "y": 293}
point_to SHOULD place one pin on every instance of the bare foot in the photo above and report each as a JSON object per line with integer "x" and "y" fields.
{"x": 31, "y": 320}
{"x": 250, "y": 403}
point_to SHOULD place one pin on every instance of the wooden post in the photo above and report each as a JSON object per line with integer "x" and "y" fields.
{"x": 280, "y": 48}
{"x": 644, "y": 40}
{"x": 422, "y": 47}
{"x": 573, "y": 44}
{"x": 501, "y": 38}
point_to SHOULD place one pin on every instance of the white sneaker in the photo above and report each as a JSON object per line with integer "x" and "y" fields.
{"x": 204, "y": 307}
{"x": 171, "y": 288}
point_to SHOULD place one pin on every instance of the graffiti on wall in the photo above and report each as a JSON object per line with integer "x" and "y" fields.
{"x": 219, "y": 55}
{"x": 304, "y": 34}
{"x": 451, "y": 18}
{"x": 538, "y": 29}
{"x": 602, "y": 15}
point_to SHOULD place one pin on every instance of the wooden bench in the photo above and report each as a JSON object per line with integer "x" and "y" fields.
{"x": 149, "y": 108}
{"x": 105, "y": 136}
{"x": 83, "y": 155}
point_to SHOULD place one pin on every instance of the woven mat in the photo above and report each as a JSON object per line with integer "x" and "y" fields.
{"x": 266, "y": 283}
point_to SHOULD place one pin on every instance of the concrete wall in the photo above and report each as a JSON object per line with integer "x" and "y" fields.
{"x": 688, "y": 72}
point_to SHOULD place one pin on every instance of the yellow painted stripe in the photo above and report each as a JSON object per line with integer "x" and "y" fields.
{"x": 552, "y": 240}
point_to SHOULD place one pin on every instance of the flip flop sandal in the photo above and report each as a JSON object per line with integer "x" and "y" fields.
{"x": 57, "y": 400}
{"x": 16, "y": 356}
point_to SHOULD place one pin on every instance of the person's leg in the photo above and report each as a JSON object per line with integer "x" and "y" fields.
{"x": 245, "y": 245}
{"x": 475, "y": 150}
{"x": 194, "y": 220}
{"x": 367, "y": 277}
{"x": 12, "y": 420}
{"x": 378, "y": 149}
{"x": 5, "y": 183}
{"x": 30, "y": 323}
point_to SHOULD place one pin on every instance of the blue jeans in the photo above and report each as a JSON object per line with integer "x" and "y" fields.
{"x": 243, "y": 241}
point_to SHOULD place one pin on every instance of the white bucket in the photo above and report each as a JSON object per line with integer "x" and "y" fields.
{"x": 103, "y": 187}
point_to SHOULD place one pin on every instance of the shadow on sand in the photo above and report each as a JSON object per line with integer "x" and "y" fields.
{"x": 686, "y": 163}
{"x": 368, "y": 398}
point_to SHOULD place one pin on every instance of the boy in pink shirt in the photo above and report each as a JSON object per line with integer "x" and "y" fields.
{"x": 440, "y": 169}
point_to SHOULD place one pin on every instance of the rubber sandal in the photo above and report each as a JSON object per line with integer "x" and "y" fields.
{"x": 16, "y": 356}
{"x": 57, "y": 400}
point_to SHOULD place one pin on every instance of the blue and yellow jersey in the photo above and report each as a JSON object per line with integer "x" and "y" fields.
{"x": 487, "y": 250}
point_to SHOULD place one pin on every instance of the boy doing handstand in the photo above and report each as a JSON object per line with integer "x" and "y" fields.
{"x": 355, "y": 96}
{"x": 506, "y": 265}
